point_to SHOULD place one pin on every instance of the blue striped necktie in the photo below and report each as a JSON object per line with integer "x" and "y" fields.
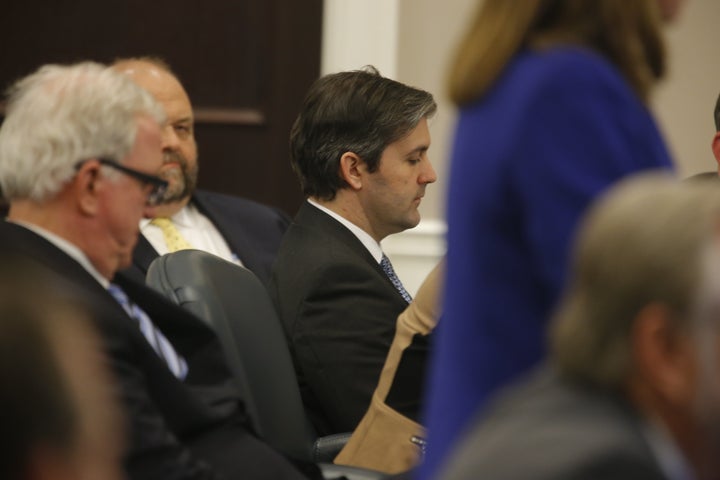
{"x": 390, "y": 272}
{"x": 156, "y": 339}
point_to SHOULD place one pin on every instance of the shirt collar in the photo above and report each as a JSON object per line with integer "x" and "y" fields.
{"x": 372, "y": 246}
{"x": 69, "y": 248}
{"x": 671, "y": 460}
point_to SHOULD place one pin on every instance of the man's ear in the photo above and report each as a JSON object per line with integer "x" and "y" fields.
{"x": 663, "y": 355}
{"x": 716, "y": 149}
{"x": 352, "y": 168}
{"x": 85, "y": 187}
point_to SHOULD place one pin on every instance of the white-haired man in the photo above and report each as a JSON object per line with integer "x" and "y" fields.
{"x": 80, "y": 149}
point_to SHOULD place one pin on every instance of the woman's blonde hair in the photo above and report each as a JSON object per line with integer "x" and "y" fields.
{"x": 625, "y": 32}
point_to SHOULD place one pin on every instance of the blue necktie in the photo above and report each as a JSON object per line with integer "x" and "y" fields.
{"x": 158, "y": 341}
{"x": 388, "y": 269}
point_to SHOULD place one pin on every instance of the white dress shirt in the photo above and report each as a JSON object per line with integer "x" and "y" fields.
{"x": 672, "y": 461}
{"x": 372, "y": 246}
{"x": 196, "y": 228}
{"x": 70, "y": 249}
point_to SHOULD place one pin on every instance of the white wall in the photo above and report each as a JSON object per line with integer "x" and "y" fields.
{"x": 358, "y": 33}
{"x": 685, "y": 101}
{"x": 412, "y": 40}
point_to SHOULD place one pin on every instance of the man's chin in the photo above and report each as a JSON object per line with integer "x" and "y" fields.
{"x": 173, "y": 174}
{"x": 176, "y": 190}
{"x": 413, "y": 220}
{"x": 176, "y": 196}
{"x": 408, "y": 224}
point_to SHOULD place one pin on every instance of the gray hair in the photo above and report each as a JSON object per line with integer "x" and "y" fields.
{"x": 61, "y": 115}
{"x": 644, "y": 242}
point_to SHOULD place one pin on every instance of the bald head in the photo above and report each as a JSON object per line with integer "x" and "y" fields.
{"x": 156, "y": 78}
{"x": 179, "y": 148}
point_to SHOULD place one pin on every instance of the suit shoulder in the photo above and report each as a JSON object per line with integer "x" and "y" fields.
{"x": 234, "y": 205}
{"x": 322, "y": 247}
{"x": 561, "y": 432}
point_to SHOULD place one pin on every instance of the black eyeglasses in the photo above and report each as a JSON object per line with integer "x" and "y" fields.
{"x": 159, "y": 186}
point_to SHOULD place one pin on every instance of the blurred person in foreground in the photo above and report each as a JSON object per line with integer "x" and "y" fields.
{"x": 631, "y": 389}
{"x": 80, "y": 149}
{"x": 58, "y": 412}
{"x": 236, "y": 229}
{"x": 553, "y": 110}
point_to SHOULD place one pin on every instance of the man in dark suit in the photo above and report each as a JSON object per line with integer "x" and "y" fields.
{"x": 359, "y": 146}
{"x": 236, "y": 229}
{"x": 631, "y": 387}
{"x": 79, "y": 151}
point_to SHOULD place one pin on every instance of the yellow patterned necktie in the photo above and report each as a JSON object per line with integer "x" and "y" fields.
{"x": 173, "y": 239}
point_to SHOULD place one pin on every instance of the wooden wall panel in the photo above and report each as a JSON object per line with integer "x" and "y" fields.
{"x": 245, "y": 63}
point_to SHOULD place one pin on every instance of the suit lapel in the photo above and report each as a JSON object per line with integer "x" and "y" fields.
{"x": 185, "y": 330}
{"x": 312, "y": 217}
{"x": 144, "y": 253}
{"x": 175, "y": 322}
{"x": 28, "y": 243}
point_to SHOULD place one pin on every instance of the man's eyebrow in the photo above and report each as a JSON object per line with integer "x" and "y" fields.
{"x": 418, "y": 149}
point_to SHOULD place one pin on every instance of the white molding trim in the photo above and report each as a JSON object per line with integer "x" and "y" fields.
{"x": 358, "y": 33}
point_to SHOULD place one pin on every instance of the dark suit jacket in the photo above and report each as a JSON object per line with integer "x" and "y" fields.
{"x": 549, "y": 428}
{"x": 339, "y": 310}
{"x": 252, "y": 231}
{"x": 191, "y": 429}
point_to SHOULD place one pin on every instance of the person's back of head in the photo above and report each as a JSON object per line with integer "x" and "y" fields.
{"x": 643, "y": 242}
{"x": 57, "y": 413}
{"x": 357, "y": 111}
{"x": 626, "y": 32}
{"x": 639, "y": 317}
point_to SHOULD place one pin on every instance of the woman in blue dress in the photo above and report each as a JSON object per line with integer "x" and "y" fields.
{"x": 552, "y": 98}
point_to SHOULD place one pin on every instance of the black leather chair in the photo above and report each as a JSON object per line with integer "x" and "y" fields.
{"x": 236, "y": 304}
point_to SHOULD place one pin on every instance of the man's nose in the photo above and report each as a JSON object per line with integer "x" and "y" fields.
{"x": 428, "y": 174}
{"x": 170, "y": 140}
